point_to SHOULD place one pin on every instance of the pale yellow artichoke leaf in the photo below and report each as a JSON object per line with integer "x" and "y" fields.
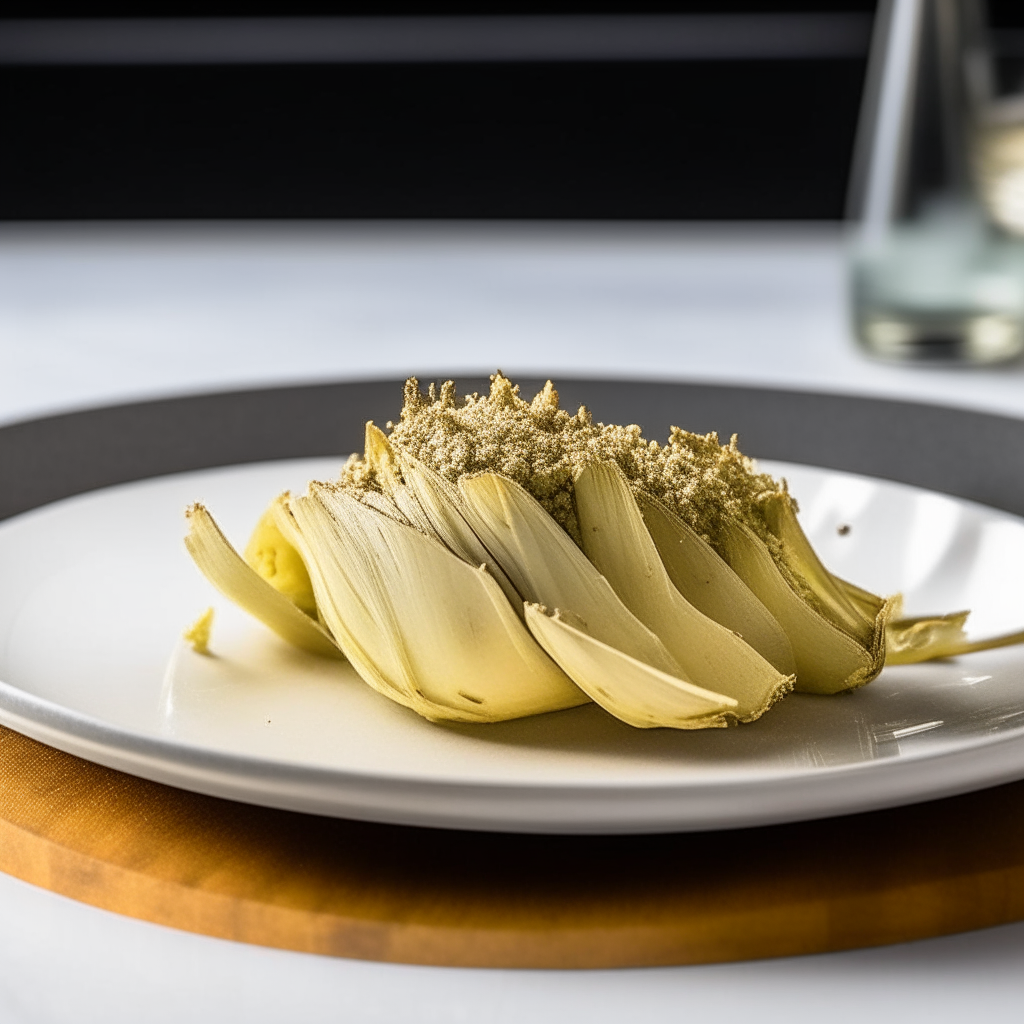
{"x": 616, "y": 541}
{"x": 441, "y": 503}
{"x": 632, "y": 691}
{"x": 381, "y": 457}
{"x": 221, "y": 564}
{"x": 383, "y": 504}
{"x": 703, "y": 577}
{"x": 377, "y": 451}
{"x": 431, "y": 504}
{"x": 828, "y": 660}
{"x": 421, "y": 625}
{"x": 988, "y": 643}
{"x": 869, "y": 604}
{"x": 832, "y": 599}
{"x": 547, "y": 568}
{"x": 319, "y": 537}
{"x": 922, "y": 638}
{"x": 602, "y": 646}
{"x": 928, "y": 637}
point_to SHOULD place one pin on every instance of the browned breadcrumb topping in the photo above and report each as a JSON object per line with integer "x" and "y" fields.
{"x": 541, "y": 446}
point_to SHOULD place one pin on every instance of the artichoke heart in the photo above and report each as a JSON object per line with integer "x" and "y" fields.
{"x": 279, "y": 563}
{"x": 490, "y": 558}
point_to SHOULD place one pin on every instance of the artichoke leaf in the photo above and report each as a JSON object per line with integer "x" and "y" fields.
{"x": 616, "y": 541}
{"x": 702, "y": 576}
{"x": 828, "y": 659}
{"x": 832, "y": 600}
{"x": 623, "y": 666}
{"x": 222, "y": 565}
{"x": 381, "y": 457}
{"x": 418, "y": 623}
{"x": 870, "y": 604}
{"x": 431, "y": 503}
{"x": 909, "y": 640}
{"x": 928, "y": 637}
{"x": 441, "y": 502}
{"x": 923, "y": 638}
{"x": 547, "y": 568}
{"x": 633, "y": 692}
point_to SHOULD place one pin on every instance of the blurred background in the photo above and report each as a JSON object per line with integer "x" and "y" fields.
{"x": 655, "y": 110}
{"x": 196, "y": 197}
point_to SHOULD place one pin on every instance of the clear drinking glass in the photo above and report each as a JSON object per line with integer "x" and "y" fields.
{"x": 937, "y": 192}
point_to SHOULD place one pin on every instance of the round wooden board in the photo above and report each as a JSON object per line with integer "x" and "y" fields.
{"x": 422, "y": 896}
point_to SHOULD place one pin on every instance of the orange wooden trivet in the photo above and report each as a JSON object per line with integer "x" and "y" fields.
{"x": 474, "y": 899}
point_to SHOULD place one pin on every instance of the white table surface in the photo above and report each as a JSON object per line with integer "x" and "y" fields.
{"x": 92, "y": 315}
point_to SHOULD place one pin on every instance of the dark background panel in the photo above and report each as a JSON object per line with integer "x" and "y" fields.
{"x": 668, "y": 139}
{"x": 750, "y": 139}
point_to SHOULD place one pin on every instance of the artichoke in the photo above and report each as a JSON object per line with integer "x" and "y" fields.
{"x": 493, "y": 558}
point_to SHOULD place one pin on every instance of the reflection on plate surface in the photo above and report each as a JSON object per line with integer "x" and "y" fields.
{"x": 325, "y": 715}
{"x": 98, "y": 588}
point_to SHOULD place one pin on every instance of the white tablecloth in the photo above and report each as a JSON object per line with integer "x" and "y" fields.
{"x": 91, "y": 315}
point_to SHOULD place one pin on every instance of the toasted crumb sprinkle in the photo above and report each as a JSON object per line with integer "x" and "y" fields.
{"x": 198, "y": 634}
{"x": 541, "y": 446}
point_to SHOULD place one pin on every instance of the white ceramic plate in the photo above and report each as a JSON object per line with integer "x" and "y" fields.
{"x": 96, "y": 591}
